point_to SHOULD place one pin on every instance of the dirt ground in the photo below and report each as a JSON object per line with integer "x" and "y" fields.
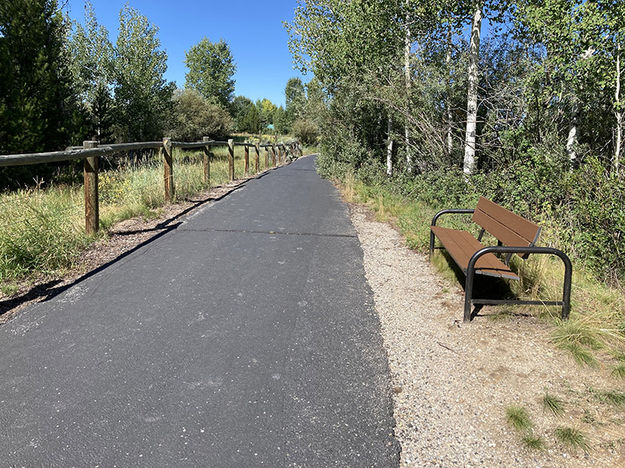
{"x": 453, "y": 381}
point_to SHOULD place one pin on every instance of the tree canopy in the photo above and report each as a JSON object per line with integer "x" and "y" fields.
{"x": 211, "y": 70}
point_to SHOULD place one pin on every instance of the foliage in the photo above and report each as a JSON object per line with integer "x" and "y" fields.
{"x": 211, "y": 70}
{"x": 37, "y": 99}
{"x": 306, "y": 132}
{"x": 194, "y": 117}
{"x": 518, "y": 418}
{"x": 572, "y": 437}
{"x": 92, "y": 71}
{"x": 142, "y": 95}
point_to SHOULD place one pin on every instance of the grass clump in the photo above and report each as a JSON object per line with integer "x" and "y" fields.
{"x": 533, "y": 442}
{"x": 572, "y": 437}
{"x": 553, "y": 404}
{"x": 518, "y": 418}
{"x": 619, "y": 371}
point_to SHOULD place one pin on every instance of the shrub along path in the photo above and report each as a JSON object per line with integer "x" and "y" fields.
{"x": 247, "y": 335}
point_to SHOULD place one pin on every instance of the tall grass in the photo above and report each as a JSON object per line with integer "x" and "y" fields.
{"x": 42, "y": 229}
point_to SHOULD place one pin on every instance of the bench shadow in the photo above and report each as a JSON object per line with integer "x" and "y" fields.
{"x": 484, "y": 287}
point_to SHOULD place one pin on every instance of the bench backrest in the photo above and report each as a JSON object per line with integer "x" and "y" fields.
{"x": 507, "y": 227}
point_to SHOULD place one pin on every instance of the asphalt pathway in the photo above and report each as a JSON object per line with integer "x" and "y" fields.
{"x": 245, "y": 337}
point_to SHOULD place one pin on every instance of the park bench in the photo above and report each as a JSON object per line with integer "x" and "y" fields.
{"x": 515, "y": 235}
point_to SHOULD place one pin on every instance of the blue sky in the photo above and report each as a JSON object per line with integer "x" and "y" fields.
{"x": 252, "y": 29}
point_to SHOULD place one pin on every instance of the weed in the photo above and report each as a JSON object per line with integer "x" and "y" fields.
{"x": 9, "y": 289}
{"x": 615, "y": 397}
{"x": 572, "y": 437}
{"x": 553, "y": 404}
{"x": 533, "y": 442}
{"x": 619, "y": 371}
{"x": 582, "y": 355}
{"x": 517, "y": 417}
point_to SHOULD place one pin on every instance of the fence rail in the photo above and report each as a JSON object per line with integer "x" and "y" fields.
{"x": 91, "y": 151}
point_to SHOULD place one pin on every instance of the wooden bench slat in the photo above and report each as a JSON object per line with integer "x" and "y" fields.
{"x": 511, "y": 229}
{"x": 461, "y": 245}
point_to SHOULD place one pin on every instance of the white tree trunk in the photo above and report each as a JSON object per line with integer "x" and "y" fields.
{"x": 389, "y": 149}
{"x": 571, "y": 141}
{"x": 407, "y": 78}
{"x": 474, "y": 56}
{"x": 450, "y": 140}
{"x": 618, "y": 112}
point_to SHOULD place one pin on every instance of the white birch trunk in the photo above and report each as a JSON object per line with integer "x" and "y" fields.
{"x": 618, "y": 112}
{"x": 450, "y": 141}
{"x": 389, "y": 149}
{"x": 407, "y": 78}
{"x": 474, "y": 55}
{"x": 571, "y": 141}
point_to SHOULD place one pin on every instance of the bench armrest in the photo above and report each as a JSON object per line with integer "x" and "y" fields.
{"x": 452, "y": 211}
{"x": 568, "y": 271}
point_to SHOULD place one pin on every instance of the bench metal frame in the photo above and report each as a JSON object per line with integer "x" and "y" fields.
{"x": 501, "y": 249}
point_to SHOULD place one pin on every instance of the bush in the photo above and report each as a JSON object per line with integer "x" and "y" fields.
{"x": 194, "y": 117}
{"x": 306, "y": 132}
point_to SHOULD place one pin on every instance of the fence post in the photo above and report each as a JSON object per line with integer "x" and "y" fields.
{"x": 90, "y": 173}
{"x": 247, "y": 160}
{"x": 168, "y": 164}
{"x": 257, "y": 158}
{"x": 231, "y": 159}
{"x": 266, "y": 157}
{"x": 273, "y": 155}
{"x": 207, "y": 162}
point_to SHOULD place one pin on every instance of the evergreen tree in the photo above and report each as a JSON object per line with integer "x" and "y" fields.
{"x": 37, "y": 102}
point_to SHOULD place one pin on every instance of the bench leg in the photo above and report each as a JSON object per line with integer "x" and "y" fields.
{"x": 431, "y": 244}
{"x": 468, "y": 293}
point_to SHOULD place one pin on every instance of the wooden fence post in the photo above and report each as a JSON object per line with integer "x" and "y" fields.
{"x": 257, "y": 158}
{"x": 266, "y": 157}
{"x": 273, "y": 155}
{"x": 231, "y": 160}
{"x": 92, "y": 208}
{"x": 168, "y": 164}
{"x": 247, "y": 160}
{"x": 207, "y": 162}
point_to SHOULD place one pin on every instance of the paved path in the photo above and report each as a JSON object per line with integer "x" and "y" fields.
{"x": 246, "y": 336}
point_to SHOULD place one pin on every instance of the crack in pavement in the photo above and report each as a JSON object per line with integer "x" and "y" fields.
{"x": 282, "y": 233}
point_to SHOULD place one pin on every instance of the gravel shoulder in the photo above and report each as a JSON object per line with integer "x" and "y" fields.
{"x": 453, "y": 382}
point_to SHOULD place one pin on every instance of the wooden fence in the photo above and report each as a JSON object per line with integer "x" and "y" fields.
{"x": 91, "y": 151}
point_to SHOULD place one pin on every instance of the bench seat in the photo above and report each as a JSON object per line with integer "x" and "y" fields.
{"x": 461, "y": 245}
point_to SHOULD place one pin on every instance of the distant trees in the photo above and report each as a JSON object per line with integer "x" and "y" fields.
{"x": 37, "y": 100}
{"x": 211, "y": 70}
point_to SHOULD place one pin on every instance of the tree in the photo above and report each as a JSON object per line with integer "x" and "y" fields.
{"x": 266, "y": 110}
{"x": 142, "y": 95}
{"x": 194, "y": 117}
{"x": 472, "y": 93}
{"x": 211, "y": 70}
{"x": 295, "y": 95}
{"x": 239, "y": 110}
{"x": 92, "y": 70}
{"x": 38, "y": 109}
{"x": 281, "y": 121}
